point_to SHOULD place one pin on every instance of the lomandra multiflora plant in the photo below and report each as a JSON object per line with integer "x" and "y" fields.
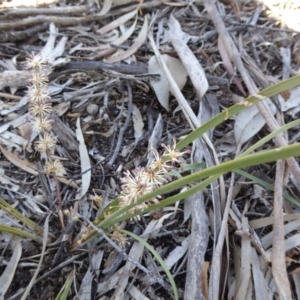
{"x": 142, "y": 181}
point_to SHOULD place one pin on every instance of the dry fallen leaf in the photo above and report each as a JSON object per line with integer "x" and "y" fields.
{"x": 106, "y": 7}
{"x": 50, "y": 52}
{"x": 138, "y": 123}
{"x": 30, "y": 168}
{"x": 249, "y": 122}
{"x": 134, "y": 47}
{"x": 161, "y": 87}
{"x": 116, "y": 23}
{"x": 194, "y": 69}
{"x": 84, "y": 161}
{"x": 9, "y": 272}
{"x": 21, "y": 163}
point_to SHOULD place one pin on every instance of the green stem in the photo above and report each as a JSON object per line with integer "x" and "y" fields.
{"x": 20, "y": 232}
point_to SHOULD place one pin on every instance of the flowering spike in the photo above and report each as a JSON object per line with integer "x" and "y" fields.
{"x": 142, "y": 181}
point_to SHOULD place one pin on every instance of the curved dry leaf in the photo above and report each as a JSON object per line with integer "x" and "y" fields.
{"x": 116, "y": 23}
{"x": 106, "y": 7}
{"x": 161, "y": 87}
{"x": 108, "y": 50}
{"x": 124, "y": 37}
{"x": 30, "y": 168}
{"x": 20, "y": 163}
{"x": 50, "y": 52}
{"x": 9, "y": 272}
{"x": 47, "y": 49}
{"x": 134, "y": 47}
{"x": 84, "y": 160}
{"x": 249, "y": 122}
{"x": 138, "y": 123}
{"x": 195, "y": 71}
{"x": 176, "y": 254}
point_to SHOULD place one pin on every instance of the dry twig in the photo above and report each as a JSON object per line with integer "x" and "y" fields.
{"x": 278, "y": 255}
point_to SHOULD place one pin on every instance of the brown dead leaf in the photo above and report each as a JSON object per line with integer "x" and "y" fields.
{"x": 27, "y": 166}
{"x": 23, "y": 164}
{"x": 204, "y": 279}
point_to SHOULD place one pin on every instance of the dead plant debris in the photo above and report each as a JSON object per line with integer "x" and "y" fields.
{"x": 111, "y": 99}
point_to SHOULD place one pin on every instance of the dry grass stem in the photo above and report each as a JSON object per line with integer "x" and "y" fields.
{"x": 278, "y": 254}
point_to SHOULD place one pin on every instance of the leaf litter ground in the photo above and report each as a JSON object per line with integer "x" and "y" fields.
{"x": 104, "y": 128}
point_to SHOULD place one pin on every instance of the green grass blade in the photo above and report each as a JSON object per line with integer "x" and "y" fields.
{"x": 19, "y": 216}
{"x": 237, "y": 108}
{"x": 21, "y": 233}
{"x": 238, "y": 163}
{"x": 63, "y": 294}
{"x": 266, "y": 185}
{"x": 270, "y": 136}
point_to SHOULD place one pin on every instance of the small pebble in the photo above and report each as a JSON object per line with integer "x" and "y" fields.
{"x": 92, "y": 109}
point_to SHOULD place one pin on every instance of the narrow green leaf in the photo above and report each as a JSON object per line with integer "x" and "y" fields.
{"x": 63, "y": 294}
{"x": 20, "y": 232}
{"x": 270, "y": 136}
{"x": 19, "y": 216}
{"x": 237, "y": 108}
{"x": 238, "y": 163}
{"x": 266, "y": 185}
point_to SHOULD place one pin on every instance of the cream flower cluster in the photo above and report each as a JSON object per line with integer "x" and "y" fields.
{"x": 142, "y": 181}
{"x": 40, "y": 110}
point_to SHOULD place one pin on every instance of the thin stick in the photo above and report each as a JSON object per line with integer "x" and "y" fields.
{"x": 153, "y": 278}
{"x": 278, "y": 255}
{"x": 124, "y": 127}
